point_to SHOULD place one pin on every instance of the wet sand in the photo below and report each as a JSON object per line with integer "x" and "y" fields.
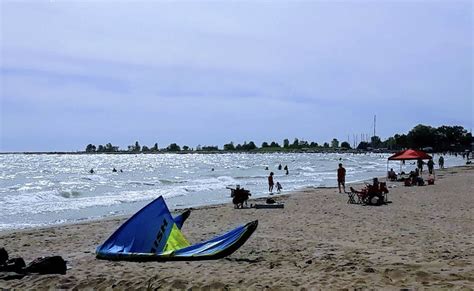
{"x": 423, "y": 239}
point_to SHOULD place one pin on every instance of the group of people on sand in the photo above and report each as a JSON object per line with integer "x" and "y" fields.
{"x": 430, "y": 164}
{"x": 240, "y": 195}
{"x": 414, "y": 177}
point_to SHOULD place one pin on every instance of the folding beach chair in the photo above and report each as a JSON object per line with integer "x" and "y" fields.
{"x": 351, "y": 197}
{"x": 361, "y": 196}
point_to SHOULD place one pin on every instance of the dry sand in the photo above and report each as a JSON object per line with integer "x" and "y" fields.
{"x": 423, "y": 240}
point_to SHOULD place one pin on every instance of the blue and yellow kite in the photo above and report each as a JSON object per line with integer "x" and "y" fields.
{"x": 152, "y": 234}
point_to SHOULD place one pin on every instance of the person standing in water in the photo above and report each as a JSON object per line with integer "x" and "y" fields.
{"x": 341, "y": 178}
{"x": 270, "y": 182}
{"x": 279, "y": 187}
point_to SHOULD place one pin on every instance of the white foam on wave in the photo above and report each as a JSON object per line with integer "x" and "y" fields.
{"x": 16, "y": 225}
{"x": 70, "y": 183}
{"x": 241, "y": 167}
{"x": 220, "y": 181}
{"x": 70, "y": 199}
{"x": 55, "y": 201}
{"x": 29, "y": 188}
{"x": 306, "y": 169}
{"x": 142, "y": 183}
{"x": 251, "y": 177}
{"x": 313, "y": 174}
{"x": 95, "y": 178}
{"x": 169, "y": 181}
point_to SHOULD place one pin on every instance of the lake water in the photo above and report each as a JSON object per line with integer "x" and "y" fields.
{"x": 38, "y": 190}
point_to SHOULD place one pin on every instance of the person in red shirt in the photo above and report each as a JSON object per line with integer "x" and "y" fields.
{"x": 341, "y": 178}
{"x": 270, "y": 182}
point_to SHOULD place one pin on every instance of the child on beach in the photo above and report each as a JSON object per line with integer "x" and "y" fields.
{"x": 279, "y": 187}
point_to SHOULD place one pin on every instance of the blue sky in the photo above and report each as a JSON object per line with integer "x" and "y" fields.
{"x": 207, "y": 73}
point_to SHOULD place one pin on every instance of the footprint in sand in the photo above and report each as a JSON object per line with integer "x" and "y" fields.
{"x": 395, "y": 275}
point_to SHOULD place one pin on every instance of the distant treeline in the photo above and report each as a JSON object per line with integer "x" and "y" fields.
{"x": 441, "y": 139}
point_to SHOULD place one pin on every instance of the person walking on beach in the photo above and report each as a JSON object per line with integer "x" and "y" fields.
{"x": 270, "y": 182}
{"x": 441, "y": 162}
{"x": 430, "y": 166}
{"x": 420, "y": 165}
{"x": 341, "y": 178}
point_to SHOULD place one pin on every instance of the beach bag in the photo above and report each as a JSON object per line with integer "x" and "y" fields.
{"x": 3, "y": 256}
{"x": 270, "y": 201}
{"x": 47, "y": 265}
{"x": 13, "y": 265}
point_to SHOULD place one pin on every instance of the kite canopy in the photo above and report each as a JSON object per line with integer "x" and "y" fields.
{"x": 410, "y": 155}
{"x": 152, "y": 234}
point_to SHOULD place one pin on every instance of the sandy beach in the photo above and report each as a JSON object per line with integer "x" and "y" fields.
{"x": 423, "y": 239}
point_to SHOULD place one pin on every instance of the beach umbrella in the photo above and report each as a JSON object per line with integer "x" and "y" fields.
{"x": 409, "y": 154}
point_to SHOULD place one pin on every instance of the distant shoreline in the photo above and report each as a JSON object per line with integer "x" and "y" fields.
{"x": 205, "y": 152}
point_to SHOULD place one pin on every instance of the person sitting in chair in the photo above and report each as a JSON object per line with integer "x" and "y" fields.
{"x": 376, "y": 190}
{"x": 416, "y": 179}
{"x": 392, "y": 176}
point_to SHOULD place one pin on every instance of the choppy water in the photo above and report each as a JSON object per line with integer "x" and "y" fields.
{"x": 37, "y": 190}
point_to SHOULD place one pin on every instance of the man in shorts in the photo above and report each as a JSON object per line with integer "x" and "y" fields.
{"x": 341, "y": 178}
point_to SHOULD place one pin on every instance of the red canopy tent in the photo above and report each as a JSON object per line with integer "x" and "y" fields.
{"x": 409, "y": 154}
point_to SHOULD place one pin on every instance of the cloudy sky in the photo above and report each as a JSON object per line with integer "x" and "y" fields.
{"x": 79, "y": 72}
